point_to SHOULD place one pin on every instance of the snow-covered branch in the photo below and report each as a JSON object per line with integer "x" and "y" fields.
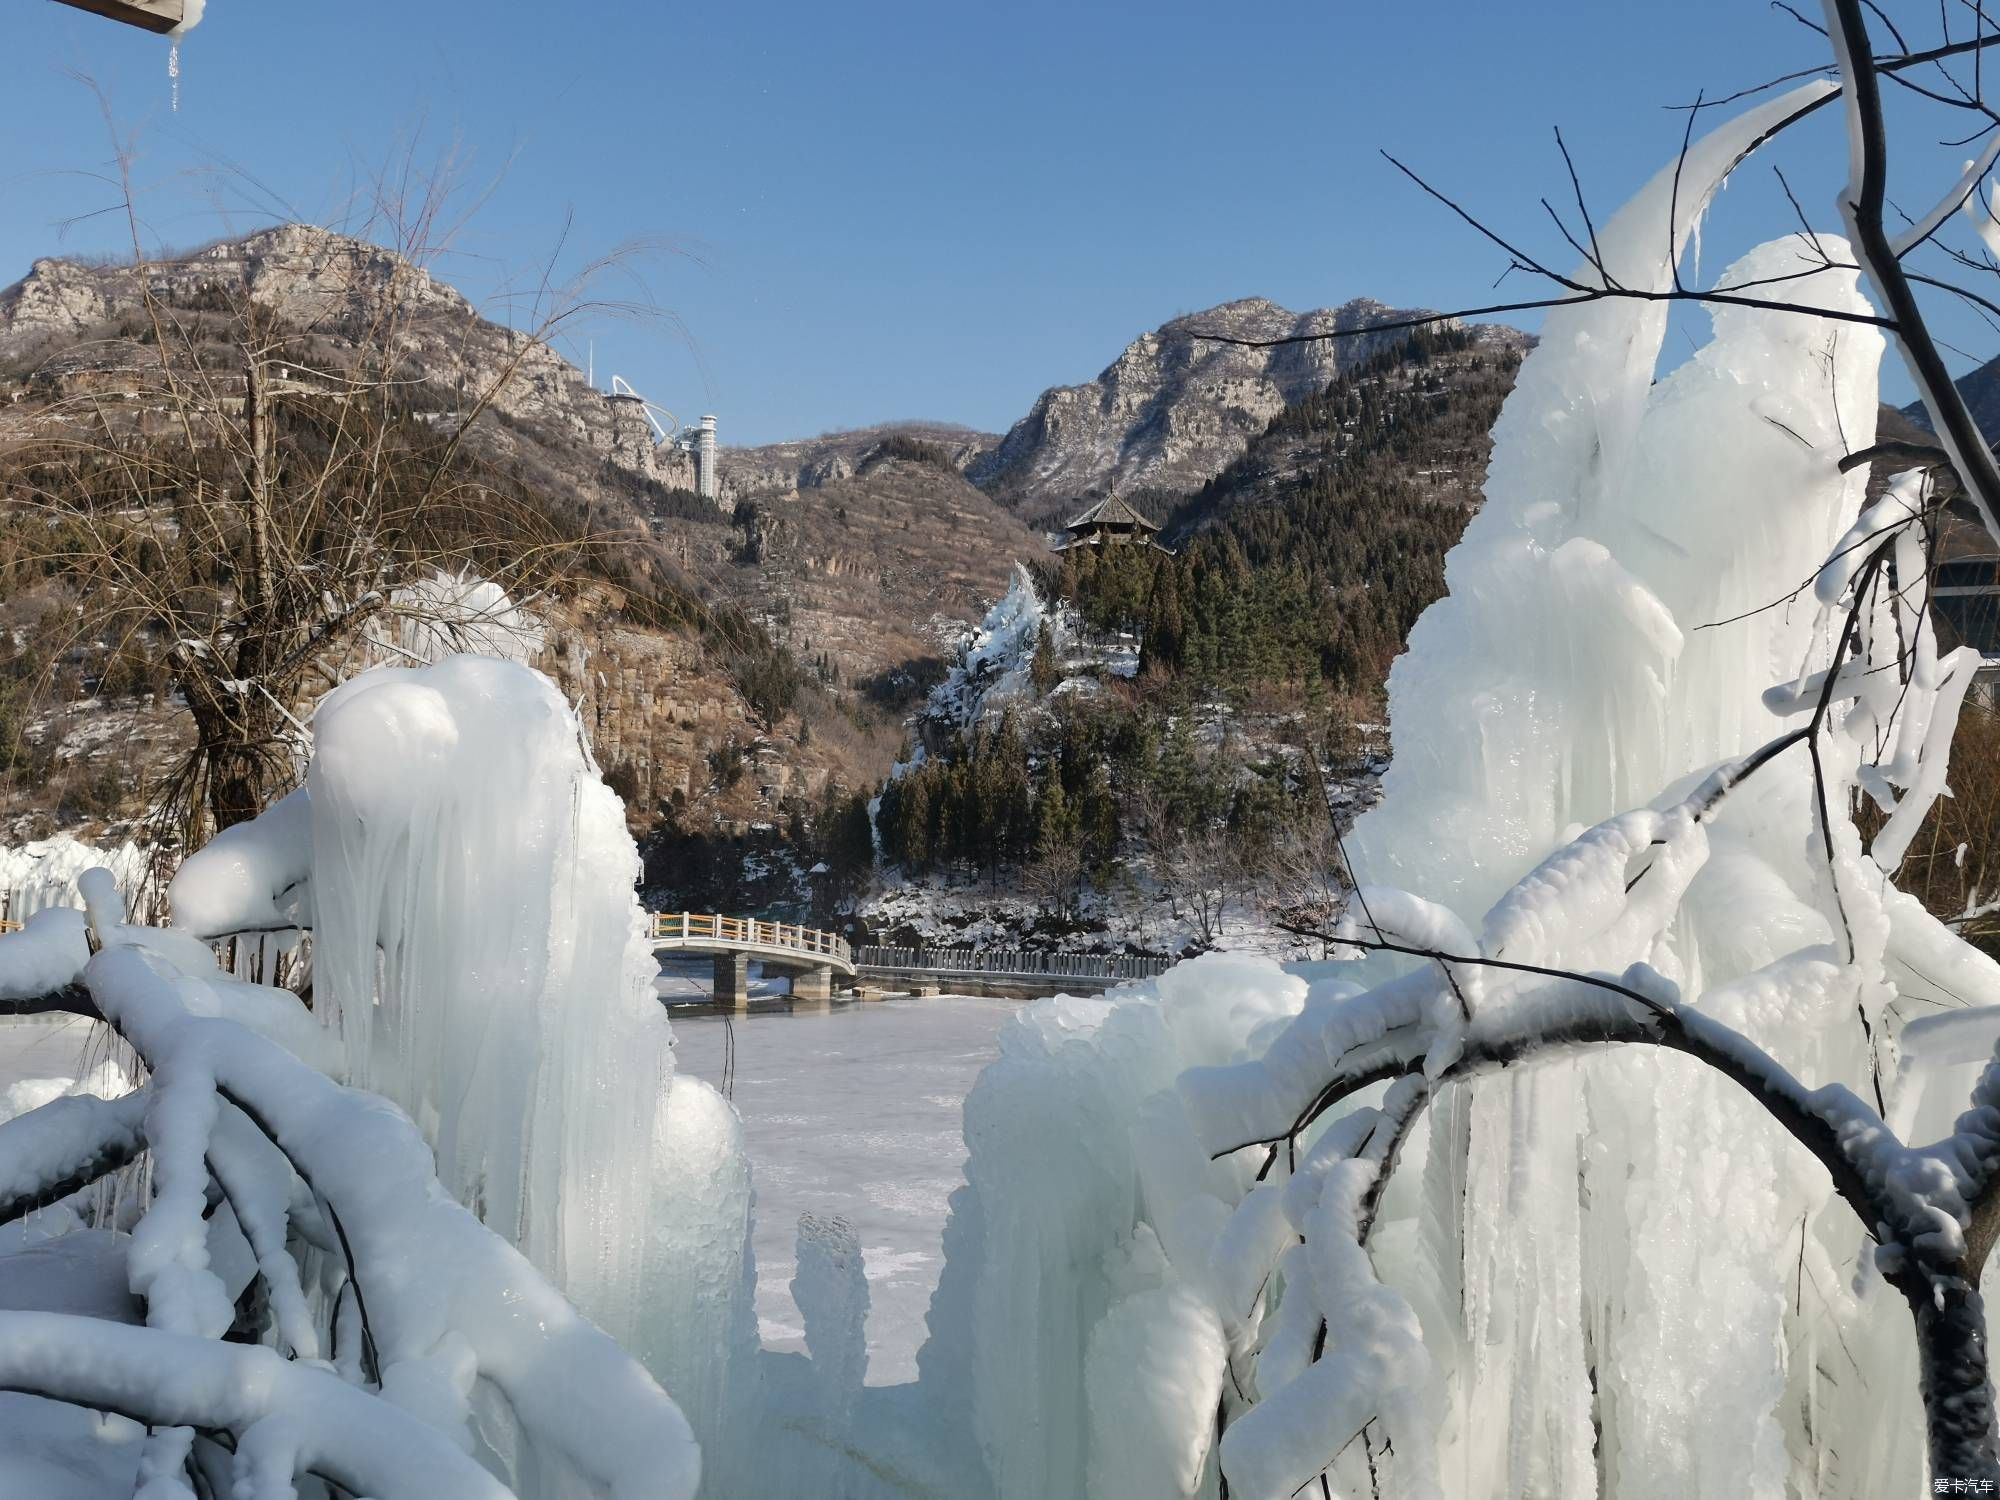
{"x": 1863, "y": 205}
{"x": 281, "y": 1418}
{"x": 65, "y": 1146}
{"x": 230, "y": 1116}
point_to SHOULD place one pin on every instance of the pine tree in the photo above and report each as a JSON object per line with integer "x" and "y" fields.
{"x": 1055, "y": 819}
{"x": 1164, "y": 644}
{"x": 1043, "y": 671}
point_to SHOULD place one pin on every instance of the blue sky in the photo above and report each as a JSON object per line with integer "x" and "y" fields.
{"x": 892, "y": 210}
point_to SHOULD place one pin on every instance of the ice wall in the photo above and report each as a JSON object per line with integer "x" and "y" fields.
{"x": 449, "y": 614}
{"x": 1620, "y": 1324}
{"x": 43, "y": 873}
{"x": 1054, "y": 1259}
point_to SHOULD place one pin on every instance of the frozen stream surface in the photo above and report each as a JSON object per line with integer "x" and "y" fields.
{"x": 854, "y": 1112}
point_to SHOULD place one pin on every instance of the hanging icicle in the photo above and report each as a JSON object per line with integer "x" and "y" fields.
{"x": 190, "y": 18}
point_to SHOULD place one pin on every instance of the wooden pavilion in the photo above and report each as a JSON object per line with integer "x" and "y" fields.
{"x": 1111, "y": 522}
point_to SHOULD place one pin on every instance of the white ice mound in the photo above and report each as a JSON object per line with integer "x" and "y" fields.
{"x": 479, "y": 954}
{"x": 449, "y": 614}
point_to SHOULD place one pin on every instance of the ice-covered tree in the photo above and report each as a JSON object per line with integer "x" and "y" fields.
{"x": 1694, "y": 1199}
{"x": 408, "y": 1231}
{"x": 1681, "y": 626}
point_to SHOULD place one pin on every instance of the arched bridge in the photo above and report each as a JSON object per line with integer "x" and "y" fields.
{"x": 811, "y": 956}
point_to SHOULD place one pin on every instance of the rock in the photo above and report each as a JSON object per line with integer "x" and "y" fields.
{"x": 1171, "y": 411}
{"x": 545, "y": 414}
{"x": 780, "y": 470}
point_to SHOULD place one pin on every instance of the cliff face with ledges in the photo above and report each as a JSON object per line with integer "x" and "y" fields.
{"x": 1171, "y": 411}
{"x": 808, "y": 463}
{"x": 70, "y": 326}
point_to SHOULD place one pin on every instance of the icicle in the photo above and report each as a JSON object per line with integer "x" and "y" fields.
{"x": 190, "y": 18}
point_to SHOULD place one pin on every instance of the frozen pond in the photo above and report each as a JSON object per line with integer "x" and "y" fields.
{"x": 42, "y": 1055}
{"x": 855, "y": 1112}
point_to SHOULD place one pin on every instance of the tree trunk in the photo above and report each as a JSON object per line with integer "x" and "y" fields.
{"x": 235, "y": 788}
{"x": 1953, "y": 1375}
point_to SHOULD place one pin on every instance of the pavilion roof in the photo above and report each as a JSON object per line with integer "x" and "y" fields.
{"x": 1110, "y": 511}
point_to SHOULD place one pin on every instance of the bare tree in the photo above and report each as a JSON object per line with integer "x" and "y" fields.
{"x": 1306, "y": 888}
{"x": 314, "y": 503}
{"x": 1056, "y": 877}
{"x": 1193, "y": 861}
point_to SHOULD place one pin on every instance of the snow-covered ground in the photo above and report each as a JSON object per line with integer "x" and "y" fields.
{"x": 968, "y": 913}
{"x": 855, "y": 1112}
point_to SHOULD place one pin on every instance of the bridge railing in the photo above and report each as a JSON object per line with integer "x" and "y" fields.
{"x": 710, "y": 927}
{"x": 1005, "y": 963}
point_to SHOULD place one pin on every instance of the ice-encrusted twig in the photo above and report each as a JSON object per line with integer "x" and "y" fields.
{"x": 1862, "y": 205}
{"x": 1914, "y": 1200}
{"x": 1935, "y": 1210}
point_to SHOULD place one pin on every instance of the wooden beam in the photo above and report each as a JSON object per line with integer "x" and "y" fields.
{"x": 153, "y": 15}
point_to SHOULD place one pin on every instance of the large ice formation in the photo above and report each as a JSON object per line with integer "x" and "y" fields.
{"x": 1609, "y": 1276}
{"x": 479, "y": 958}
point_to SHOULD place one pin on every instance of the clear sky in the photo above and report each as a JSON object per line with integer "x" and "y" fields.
{"x": 891, "y": 210}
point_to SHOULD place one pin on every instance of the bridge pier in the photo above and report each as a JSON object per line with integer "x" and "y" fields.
{"x": 732, "y": 981}
{"x": 813, "y": 988}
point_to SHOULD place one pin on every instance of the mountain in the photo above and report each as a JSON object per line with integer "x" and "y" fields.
{"x": 870, "y": 575}
{"x": 1147, "y": 711}
{"x": 72, "y": 328}
{"x": 1416, "y": 416}
{"x": 1322, "y": 543}
{"x": 735, "y": 662}
{"x": 729, "y": 674}
{"x": 1981, "y": 390}
{"x": 1172, "y": 410}
{"x": 806, "y": 463}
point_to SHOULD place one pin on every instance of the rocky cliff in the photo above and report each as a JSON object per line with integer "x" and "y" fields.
{"x": 1170, "y": 412}
{"x": 71, "y": 328}
{"x": 807, "y": 463}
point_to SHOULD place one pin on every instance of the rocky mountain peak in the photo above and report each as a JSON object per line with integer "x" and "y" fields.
{"x": 1173, "y": 409}
{"x": 302, "y": 273}
{"x": 66, "y": 325}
